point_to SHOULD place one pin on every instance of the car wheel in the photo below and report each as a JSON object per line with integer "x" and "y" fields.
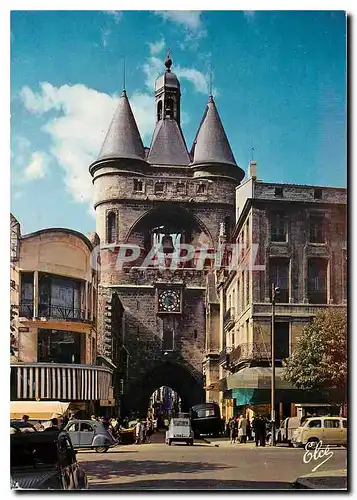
{"x": 169, "y": 442}
{"x": 296, "y": 445}
{"x": 290, "y": 444}
{"x": 313, "y": 440}
{"x": 191, "y": 443}
{"x": 101, "y": 449}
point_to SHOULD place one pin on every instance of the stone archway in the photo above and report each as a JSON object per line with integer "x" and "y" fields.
{"x": 170, "y": 374}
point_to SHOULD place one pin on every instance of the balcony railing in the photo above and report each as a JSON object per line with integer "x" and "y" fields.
{"x": 53, "y": 312}
{"x": 229, "y": 317}
{"x": 60, "y": 382}
{"x": 223, "y": 358}
{"x": 257, "y": 351}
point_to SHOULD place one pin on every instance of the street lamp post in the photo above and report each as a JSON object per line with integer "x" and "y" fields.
{"x": 275, "y": 291}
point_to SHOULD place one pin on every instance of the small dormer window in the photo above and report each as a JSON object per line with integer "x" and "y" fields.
{"x": 278, "y": 192}
{"x": 138, "y": 185}
{"x": 318, "y": 194}
{"x": 201, "y": 188}
{"x": 159, "y": 187}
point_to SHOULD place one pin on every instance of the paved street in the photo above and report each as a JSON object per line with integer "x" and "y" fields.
{"x": 203, "y": 466}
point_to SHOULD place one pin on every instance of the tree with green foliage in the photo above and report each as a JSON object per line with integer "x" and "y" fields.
{"x": 319, "y": 361}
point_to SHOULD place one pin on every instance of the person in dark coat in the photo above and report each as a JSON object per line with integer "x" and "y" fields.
{"x": 249, "y": 430}
{"x": 263, "y": 431}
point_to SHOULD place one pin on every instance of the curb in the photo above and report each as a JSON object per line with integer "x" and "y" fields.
{"x": 304, "y": 483}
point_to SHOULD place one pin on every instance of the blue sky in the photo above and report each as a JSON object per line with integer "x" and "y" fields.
{"x": 278, "y": 77}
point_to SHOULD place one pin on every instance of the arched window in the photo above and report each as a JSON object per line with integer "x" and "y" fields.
{"x": 169, "y": 109}
{"x": 111, "y": 227}
{"x": 168, "y": 340}
{"x": 159, "y": 111}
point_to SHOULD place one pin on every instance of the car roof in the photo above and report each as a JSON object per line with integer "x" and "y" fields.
{"x": 38, "y": 437}
{"x": 93, "y": 422}
{"x": 325, "y": 416}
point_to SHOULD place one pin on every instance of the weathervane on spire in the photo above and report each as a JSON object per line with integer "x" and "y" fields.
{"x": 252, "y": 154}
{"x": 168, "y": 60}
{"x": 124, "y": 89}
{"x": 210, "y": 79}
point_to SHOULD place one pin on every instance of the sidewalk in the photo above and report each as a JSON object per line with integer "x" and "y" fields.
{"x": 323, "y": 480}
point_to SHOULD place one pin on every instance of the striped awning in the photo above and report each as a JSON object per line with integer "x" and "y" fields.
{"x": 38, "y": 410}
{"x": 257, "y": 378}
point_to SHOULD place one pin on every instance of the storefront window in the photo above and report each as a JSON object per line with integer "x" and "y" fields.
{"x": 56, "y": 346}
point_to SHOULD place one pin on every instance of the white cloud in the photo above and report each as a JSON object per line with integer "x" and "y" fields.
{"x": 115, "y": 14}
{"x": 157, "y": 47}
{"x": 191, "y": 22}
{"x": 154, "y": 67}
{"x": 77, "y": 132}
{"x": 189, "y": 19}
{"x": 105, "y": 33}
{"x": 37, "y": 167}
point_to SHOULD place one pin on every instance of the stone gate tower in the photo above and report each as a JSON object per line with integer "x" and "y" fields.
{"x": 163, "y": 197}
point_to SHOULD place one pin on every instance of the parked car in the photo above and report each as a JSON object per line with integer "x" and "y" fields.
{"x": 328, "y": 430}
{"x": 179, "y": 430}
{"x": 284, "y": 433}
{"x": 90, "y": 434}
{"x": 206, "y": 419}
{"x": 44, "y": 461}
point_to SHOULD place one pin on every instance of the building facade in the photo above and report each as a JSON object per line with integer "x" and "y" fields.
{"x": 287, "y": 236}
{"x": 54, "y": 299}
{"x": 162, "y": 197}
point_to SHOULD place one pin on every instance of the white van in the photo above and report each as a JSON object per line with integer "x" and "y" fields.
{"x": 179, "y": 430}
{"x": 328, "y": 430}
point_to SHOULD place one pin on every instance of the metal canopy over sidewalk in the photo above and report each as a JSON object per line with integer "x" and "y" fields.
{"x": 257, "y": 378}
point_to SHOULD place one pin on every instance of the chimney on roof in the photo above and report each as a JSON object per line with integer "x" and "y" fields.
{"x": 252, "y": 169}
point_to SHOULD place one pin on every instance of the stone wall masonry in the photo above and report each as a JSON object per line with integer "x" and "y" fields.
{"x": 144, "y": 328}
{"x": 121, "y": 187}
{"x": 292, "y": 192}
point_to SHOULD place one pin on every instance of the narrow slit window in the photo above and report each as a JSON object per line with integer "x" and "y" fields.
{"x": 111, "y": 228}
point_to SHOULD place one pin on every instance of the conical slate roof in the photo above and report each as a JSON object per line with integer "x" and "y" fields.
{"x": 168, "y": 145}
{"x": 211, "y": 144}
{"x": 123, "y": 138}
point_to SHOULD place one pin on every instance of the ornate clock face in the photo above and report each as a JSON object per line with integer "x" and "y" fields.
{"x": 169, "y": 301}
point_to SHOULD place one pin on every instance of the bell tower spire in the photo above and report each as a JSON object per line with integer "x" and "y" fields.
{"x": 167, "y": 94}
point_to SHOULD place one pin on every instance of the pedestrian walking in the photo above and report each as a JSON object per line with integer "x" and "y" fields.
{"x": 242, "y": 429}
{"x": 256, "y": 428}
{"x": 249, "y": 430}
{"x": 138, "y": 431}
{"x": 233, "y": 430}
{"x": 149, "y": 430}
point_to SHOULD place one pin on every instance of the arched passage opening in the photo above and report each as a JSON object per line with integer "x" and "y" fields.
{"x": 164, "y": 403}
{"x": 174, "y": 226}
{"x": 178, "y": 378}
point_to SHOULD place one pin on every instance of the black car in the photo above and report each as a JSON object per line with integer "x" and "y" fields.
{"x": 44, "y": 461}
{"x": 206, "y": 420}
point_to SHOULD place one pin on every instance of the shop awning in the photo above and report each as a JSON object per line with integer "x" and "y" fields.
{"x": 37, "y": 410}
{"x": 257, "y": 378}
